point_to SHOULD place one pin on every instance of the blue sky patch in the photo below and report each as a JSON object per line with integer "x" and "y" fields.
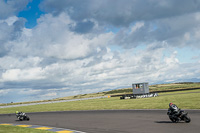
{"x": 31, "y": 13}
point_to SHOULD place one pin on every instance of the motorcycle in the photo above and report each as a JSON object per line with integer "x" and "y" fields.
{"x": 22, "y": 116}
{"x": 182, "y": 116}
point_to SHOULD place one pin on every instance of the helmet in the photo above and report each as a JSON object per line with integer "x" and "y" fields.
{"x": 17, "y": 112}
{"x": 170, "y": 104}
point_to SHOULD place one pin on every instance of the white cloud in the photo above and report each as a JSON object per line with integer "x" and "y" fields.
{"x": 11, "y": 62}
{"x": 114, "y": 13}
{"x": 23, "y": 75}
{"x": 9, "y": 8}
{"x": 138, "y": 25}
{"x": 49, "y": 95}
{"x": 52, "y": 37}
{"x": 4, "y": 92}
{"x": 10, "y": 21}
{"x": 171, "y": 61}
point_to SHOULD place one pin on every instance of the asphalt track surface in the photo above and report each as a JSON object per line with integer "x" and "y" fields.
{"x": 111, "y": 121}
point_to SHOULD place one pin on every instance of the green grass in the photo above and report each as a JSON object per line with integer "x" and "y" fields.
{"x": 174, "y": 86}
{"x": 15, "y": 129}
{"x": 188, "y": 100}
{"x": 120, "y": 91}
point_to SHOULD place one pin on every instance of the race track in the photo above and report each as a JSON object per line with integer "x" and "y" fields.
{"x": 111, "y": 121}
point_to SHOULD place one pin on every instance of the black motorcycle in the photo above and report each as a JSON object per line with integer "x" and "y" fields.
{"x": 22, "y": 116}
{"x": 182, "y": 116}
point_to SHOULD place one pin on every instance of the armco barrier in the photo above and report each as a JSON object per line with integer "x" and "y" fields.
{"x": 135, "y": 96}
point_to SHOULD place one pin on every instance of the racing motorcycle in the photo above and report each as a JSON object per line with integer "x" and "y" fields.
{"x": 182, "y": 116}
{"x": 22, "y": 116}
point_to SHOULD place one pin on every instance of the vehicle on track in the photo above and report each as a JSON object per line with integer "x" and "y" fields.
{"x": 22, "y": 116}
{"x": 175, "y": 114}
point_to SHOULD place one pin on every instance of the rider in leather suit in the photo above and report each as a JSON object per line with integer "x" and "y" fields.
{"x": 174, "y": 111}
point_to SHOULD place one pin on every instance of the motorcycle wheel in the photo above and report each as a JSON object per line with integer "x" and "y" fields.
{"x": 27, "y": 118}
{"x": 187, "y": 119}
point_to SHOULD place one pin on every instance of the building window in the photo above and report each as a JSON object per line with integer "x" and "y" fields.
{"x": 138, "y": 86}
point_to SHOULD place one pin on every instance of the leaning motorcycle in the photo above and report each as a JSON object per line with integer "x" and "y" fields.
{"x": 22, "y": 116}
{"x": 181, "y": 117}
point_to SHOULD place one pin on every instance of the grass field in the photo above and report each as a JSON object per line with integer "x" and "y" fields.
{"x": 15, "y": 129}
{"x": 184, "y": 99}
{"x": 174, "y": 86}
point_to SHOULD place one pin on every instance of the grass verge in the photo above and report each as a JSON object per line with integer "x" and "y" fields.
{"x": 15, "y": 129}
{"x": 186, "y": 100}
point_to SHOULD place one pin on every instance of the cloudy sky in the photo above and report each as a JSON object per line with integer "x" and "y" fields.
{"x": 51, "y": 48}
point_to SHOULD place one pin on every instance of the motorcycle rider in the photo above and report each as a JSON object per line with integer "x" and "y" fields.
{"x": 173, "y": 111}
{"x": 18, "y": 114}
